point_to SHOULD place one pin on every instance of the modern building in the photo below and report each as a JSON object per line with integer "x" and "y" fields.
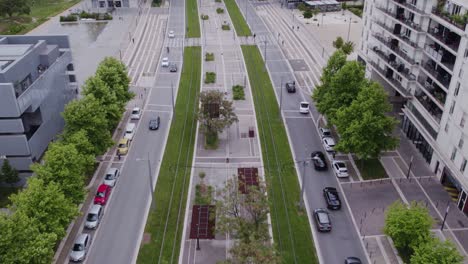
{"x": 36, "y": 81}
{"x": 116, "y": 3}
{"x": 417, "y": 49}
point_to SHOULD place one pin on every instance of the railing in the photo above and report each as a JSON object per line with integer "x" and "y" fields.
{"x": 439, "y": 37}
{"x": 439, "y": 96}
{"x": 395, "y": 66}
{"x": 395, "y": 49}
{"x": 444, "y": 79}
{"x": 446, "y": 17}
{"x": 403, "y": 20}
{"x": 410, "y": 7}
{"x": 398, "y": 36}
{"x": 430, "y": 106}
{"x": 435, "y": 56}
{"x": 396, "y": 84}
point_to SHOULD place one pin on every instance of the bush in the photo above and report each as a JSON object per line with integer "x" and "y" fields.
{"x": 219, "y": 10}
{"x": 225, "y": 27}
{"x": 210, "y": 77}
{"x": 203, "y": 194}
{"x": 238, "y": 92}
{"x": 14, "y": 29}
{"x": 209, "y": 56}
{"x": 156, "y": 3}
{"x": 307, "y": 14}
{"x": 211, "y": 140}
{"x": 107, "y": 16}
{"x": 204, "y": 17}
{"x": 356, "y": 11}
{"x": 302, "y": 7}
{"x": 218, "y": 1}
{"x": 69, "y": 18}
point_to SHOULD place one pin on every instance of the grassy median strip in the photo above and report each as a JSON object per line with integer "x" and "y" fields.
{"x": 192, "y": 23}
{"x": 291, "y": 229}
{"x": 242, "y": 29}
{"x": 165, "y": 222}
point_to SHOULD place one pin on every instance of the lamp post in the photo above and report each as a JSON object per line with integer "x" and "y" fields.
{"x": 409, "y": 167}
{"x": 265, "y": 52}
{"x": 281, "y": 94}
{"x": 445, "y": 217}
{"x": 349, "y": 29}
{"x": 198, "y": 229}
{"x": 150, "y": 176}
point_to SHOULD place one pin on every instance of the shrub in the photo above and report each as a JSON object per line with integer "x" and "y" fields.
{"x": 219, "y": 10}
{"x": 204, "y": 17}
{"x": 302, "y": 7}
{"x": 356, "y": 11}
{"x": 156, "y": 3}
{"x": 238, "y": 92}
{"x": 307, "y": 14}
{"x": 202, "y": 175}
{"x": 14, "y": 29}
{"x": 203, "y": 194}
{"x": 210, "y": 77}
{"x": 211, "y": 140}
{"x": 225, "y": 27}
{"x": 69, "y": 18}
{"x": 218, "y": 1}
{"x": 209, "y": 56}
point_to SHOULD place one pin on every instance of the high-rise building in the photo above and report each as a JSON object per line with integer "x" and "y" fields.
{"x": 36, "y": 81}
{"x": 418, "y": 49}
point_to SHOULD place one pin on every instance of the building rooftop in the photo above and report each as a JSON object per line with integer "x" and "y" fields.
{"x": 8, "y": 51}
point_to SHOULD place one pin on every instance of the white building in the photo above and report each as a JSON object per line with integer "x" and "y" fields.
{"x": 417, "y": 49}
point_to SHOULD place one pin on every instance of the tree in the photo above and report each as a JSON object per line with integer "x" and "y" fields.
{"x": 88, "y": 115}
{"x": 364, "y": 126}
{"x": 114, "y": 74}
{"x": 338, "y": 43}
{"x": 11, "y": 7}
{"x": 22, "y": 243}
{"x": 65, "y": 166}
{"x": 84, "y": 147}
{"x": 46, "y": 205}
{"x": 255, "y": 251}
{"x": 9, "y": 174}
{"x": 436, "y": 251}
{"x": 308, "y": 13}
{"x": 348, "y": 47}
{"x": 408, "y": 226}
{"x": 302, "y": 7}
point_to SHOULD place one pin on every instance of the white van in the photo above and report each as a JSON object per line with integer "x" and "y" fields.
{"x": 129, "y": 131}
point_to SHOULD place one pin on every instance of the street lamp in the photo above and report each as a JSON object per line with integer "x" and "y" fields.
{"x": 265, "y": 52}
{"x": 198, "y": 229}
{"x": 409, "y": 167}
{"x": 150, "y": 175}
{"x": 445, "y": 217}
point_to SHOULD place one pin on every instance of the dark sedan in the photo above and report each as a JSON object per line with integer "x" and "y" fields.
{"x": 352, "y": 260}
{"x": 332, "y": 198}
{"x": 154, "y": 124}
{"x": 322, "y": 220}
{"x": 318, "y": 158}
{"x": 291, "y": 87}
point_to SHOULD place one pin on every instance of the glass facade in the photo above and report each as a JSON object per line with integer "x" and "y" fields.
{"x": 418, "y": 140}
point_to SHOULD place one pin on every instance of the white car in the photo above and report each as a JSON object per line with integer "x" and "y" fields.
{"x": 94, "y": 216}
{"x": 111, "y": 177}
{"x": 171, "y": 34}
{"x": 80, "y": 248}
{"x": 340, "y": 169}
{"x": 328, "y": 144}
{"x": 324, "y": 132}
{"x": 136, "y": 113}
{"x": 304, "y": 108}
{"x": 165, "y": 62}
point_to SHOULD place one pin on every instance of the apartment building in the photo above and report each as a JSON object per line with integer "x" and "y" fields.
{"x": 417, "y": 49}
{"x": 36, "y": 81}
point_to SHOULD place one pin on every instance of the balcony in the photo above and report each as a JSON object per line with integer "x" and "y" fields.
{"x": 408, "y": 6}
{"x": 398, "y": 67}
{"x": 400, "y": 18}
{"x": 429, "y": 105}
{"x": 394, "y": 48}
{"x": 446, "y": 59}
{"x": 438, "y": 73}
{"x": 389, "y": 78}
{"x": 459, "y": 23}
{"x": 398, "y": 36}
{"x": 437, "y": 93}
{"x": 446, "y": 37}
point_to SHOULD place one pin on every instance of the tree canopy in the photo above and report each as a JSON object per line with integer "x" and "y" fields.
{"x": 114, "y": 74}
{"x": 11, "y": 7}
{"x": 216, "y": 113}
{"x": 8, "y": 174}
{"x": 436, "y": 251}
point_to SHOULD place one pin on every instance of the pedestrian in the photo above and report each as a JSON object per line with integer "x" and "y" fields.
{"x": 254, "y": 35}
{"x": 167, "y": 49}
{"x": 297, "y": 27}
{"x": 282, "y": 43}
{"x": 141, "y": 95}
{"x": 293, "y": 27}
{"x": 334, "y": 153}
{"x": 145, "y": 89}
{"x": 133, "y": 40}
{"x": 118, "y": 155}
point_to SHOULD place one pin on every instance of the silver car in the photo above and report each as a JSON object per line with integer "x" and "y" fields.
{"x": 80, "y": 248}
{"x": 111, "y": 177}
{"x": 328, "y": 144}
{"x": 94, "y": 216}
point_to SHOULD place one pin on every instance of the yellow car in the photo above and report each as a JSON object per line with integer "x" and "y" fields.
{"x": 122, "y": 148}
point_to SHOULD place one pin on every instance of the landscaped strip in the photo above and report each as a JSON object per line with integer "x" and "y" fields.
{"x": 291, "y": 229}
{"x": 242, "y": 29}
{"x": 192, "y": 24}
{"x": 166, "y": 221}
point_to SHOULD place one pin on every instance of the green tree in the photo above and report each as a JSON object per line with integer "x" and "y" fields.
{"x": 338, "y": 43}
{"x": 302, "y": 7}
{"x": 408, "y": 226}
{"x": 21, "y": 242}
{"x": 436, "y": 251}
{"x": 254, "y": 251}
{"x": 82, "y": 144}
{"x": 11, "y": 7}
{"x": 114, "y": 74}
{"x": 64, "y": 165}
{"x": 46, "y": 205}
{"x": 9, "y": 174}
{"x": 308, "y": 14}
{"x": 364, "y": 126}
{"x": 88, "y": 115}
{"x": 348, "y": 47}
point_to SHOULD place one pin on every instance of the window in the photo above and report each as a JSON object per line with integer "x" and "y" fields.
{"x": 462, "y": 121}
{"x": 460, "y": 143}
{"x": 452, "y": 107}
{"x": 457, "y": 89}
{"x": 446, "y": 127}
{"x": 454, "y": 154}
{"x": 463, "y": 165}
{"x": 414, "y": 2}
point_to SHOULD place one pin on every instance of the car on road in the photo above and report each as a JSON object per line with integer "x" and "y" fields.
{"x": 171, "y": 34}
{"x": 80, "y": 248}
{"x": 322, "y": 220}
{"x": 165, "y": 62}
{"x": 325, "y": 132}
{"x": 136, "y": 113}
{"x": 340, "y": 169}
{"x": 318, "y": 158}
{"x": 122, "y": 148}
{"x": 173, "y": 67}
{"x": 102, "y": 194}
{"x": 94, "y": 216}
{"x": 154, "y": 123}
{"x": 291, "y": 87}
{"x": 304, "y": 107}
{"x": 129, "y": 131}
{"x": 111, "y": 177}
{"x": 328, "y": 144}
{"x": 352, "y": 260}
{"x": 331, "y": 198}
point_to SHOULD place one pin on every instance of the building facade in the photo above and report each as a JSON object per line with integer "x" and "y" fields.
{"x": 114, "y": 3}
{"x": 36, "y": 82}
{"x": 417, "y": 49}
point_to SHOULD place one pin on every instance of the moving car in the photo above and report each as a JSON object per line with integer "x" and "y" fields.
{"x": 304, "y": 108}
{"x": 171, "y": 34}
{"x": 102, "y": 194}
{"x": 340, "y": 169}
{"x": 154, "y": 123}
{"x": 318, "y": 158}
{"x": 291, "y": 87}
{"x": 165, "y": 62}
{"x": 172, "y": 67}
{"x": 80, "y": 248}
{"x": 328, "y": 144}
{"x": 94, "y": 216}
{"x": 122, "y": 148}
{"x": 325, "y": 132}
{"x": 332, "y": 198}
{"x": 136, "y": 113}
{"x": 322, "y": 220}
{"x": 111, "y": 177}
{"x": 352, "y": 260}
{"x": 129, "y": 131}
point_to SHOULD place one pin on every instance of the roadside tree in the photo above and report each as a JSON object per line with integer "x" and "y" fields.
{"x": 11, "y": 7}
{"x": 80, "y": 140}
{"x": 114, "y": 74}
{"x": 338, "y": 43}
{"x": 436, "y": 251}
{"x": 348, "y": 47}
{"x": 8, "y": 174}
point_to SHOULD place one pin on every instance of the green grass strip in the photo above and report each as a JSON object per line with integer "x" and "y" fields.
{"x": 295, "y": 237}
{"x": 181, "y": 142}
{"x": 242, "y": 29}
{"x": 192, "y": 24}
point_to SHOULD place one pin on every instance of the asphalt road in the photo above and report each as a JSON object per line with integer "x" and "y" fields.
{"x": 344, "y": 240}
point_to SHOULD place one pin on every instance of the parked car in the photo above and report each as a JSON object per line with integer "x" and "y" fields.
{"x": 332, "y": 198}
{"x": 325, "y": 132}
{"x": 173, "y": 67}
{"x": 340, "y": 169}
{"x": 102, "y": 194}
{"x": 322, "y": 220}
{"x": 304, "y": 108}
{"x": 122, "y": 148}
{"x": 136, "y": 113}
{"x": 129, "y": 131}
{"x": 328, "y": 144}
{"x": 291, "y": 87}
{"x": 318, "y": 158}
{"x": 154, "y": 123}
{"x": 111, "y": 177}
{"x": 94, "y": 216}
{"x": 165, "y": 62}
{"x": 352, "y": 260}
{"x": 80, "y": 248}
{"x": 171, "y": 34}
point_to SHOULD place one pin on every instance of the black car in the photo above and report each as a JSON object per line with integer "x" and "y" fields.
{"x": 332, "y": 198}
{"x": 154, "y": 123}
{"x": 322, "y": 220}
{"x": 352, "y": 260}
{"x": 291, "y": 87}
{"x": 318, "y": 158}
{"x": 172, "y": 67}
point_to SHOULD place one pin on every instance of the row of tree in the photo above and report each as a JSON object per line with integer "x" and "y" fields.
{"x": 41, "y": 213}
{"x": 11, "y": 7}
{"x": 409, "y": 227}
{"x": 356, "y": 106}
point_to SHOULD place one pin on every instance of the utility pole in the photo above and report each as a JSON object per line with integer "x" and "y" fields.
{"x": 349, "y": 28}
{"x": 304, "y": 163}
{"x": 198, "y": 229}
{"x": 265, "y": 50}
{"x": 445, "y": 217}
{"x": 409, "y": 168}
{"x": 281, "y": 95}
{"x": 172, "y": 95}
{"x": 150, "y": 176}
